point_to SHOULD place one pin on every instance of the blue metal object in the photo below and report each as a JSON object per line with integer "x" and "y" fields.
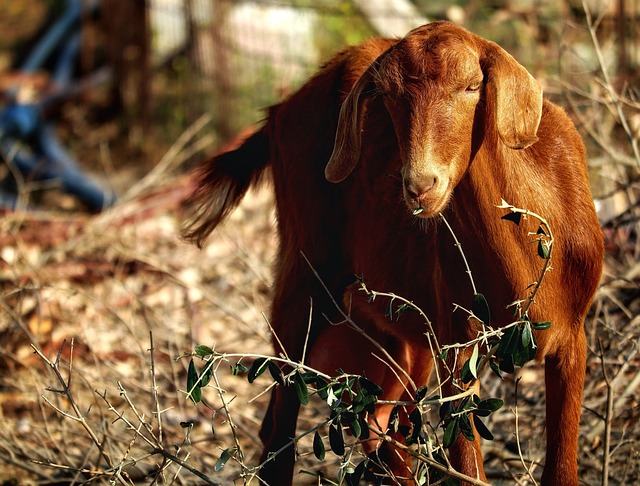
{"x": 23, "y": 123}
{"x": 20, "y": 120}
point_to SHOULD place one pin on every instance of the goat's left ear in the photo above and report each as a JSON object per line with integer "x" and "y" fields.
{"x": 516, "y": 97}
{"x": 346, "y": 149}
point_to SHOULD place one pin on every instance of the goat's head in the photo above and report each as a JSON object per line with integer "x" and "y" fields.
{"x": 441, "y": 86}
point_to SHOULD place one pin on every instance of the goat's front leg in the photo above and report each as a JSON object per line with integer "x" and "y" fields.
{"x": 465, "y": 455}
{"x": 290, "y": 318}
{"x": 340, "y": 347}
{"x": 564, "y": 380}
{"x": 278, "y": 429}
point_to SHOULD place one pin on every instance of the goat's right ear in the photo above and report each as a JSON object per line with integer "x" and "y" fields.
{"x": 516, "y": 98}
{"x": 346, "y": 149}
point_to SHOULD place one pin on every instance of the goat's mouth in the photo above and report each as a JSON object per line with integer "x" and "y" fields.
{"x": 428, "y": 207}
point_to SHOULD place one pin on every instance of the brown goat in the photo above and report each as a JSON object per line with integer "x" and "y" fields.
{"x": 388, "y": 135}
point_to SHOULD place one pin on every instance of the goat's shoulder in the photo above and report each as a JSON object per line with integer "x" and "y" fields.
{"x": 558, "y": 136}
{"x": 556, "y": 122}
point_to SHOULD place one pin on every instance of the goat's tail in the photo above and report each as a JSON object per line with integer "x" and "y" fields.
{"x": 222, "y": 182}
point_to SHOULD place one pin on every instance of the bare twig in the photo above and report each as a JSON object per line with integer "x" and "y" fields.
{"x": 633, "y": 140}
{"x": 77, "y": 415}
{"x": 527, "y": 468}
{"x": 608, "y": 417}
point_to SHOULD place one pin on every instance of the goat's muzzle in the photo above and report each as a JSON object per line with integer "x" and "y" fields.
{"x": 425, "y": 196}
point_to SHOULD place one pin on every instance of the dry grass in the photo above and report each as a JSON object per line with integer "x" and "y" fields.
{"x": 110, "y": 283}
{"x": 93, "y": 295}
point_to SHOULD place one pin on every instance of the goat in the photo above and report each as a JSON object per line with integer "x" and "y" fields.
{"x": 388, "y": 135}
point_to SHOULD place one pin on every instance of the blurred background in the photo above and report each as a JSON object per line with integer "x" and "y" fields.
{"x": 106, "y": 105}
{"x": 123, "y": 79}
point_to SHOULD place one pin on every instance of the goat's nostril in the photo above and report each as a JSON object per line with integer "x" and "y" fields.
{"x": 417, "y": 190}
{"x": 411, "y": 192}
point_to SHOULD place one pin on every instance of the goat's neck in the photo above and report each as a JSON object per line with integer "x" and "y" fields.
{"x": 496, "y": 249}
{"x": 492, "y": 177}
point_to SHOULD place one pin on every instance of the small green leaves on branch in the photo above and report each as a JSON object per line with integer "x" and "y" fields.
{"x": 480, "y": 308}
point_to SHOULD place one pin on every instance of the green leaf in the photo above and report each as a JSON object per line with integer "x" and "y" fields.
{"x": 515, "y": 217}
{"x": 482, "y": 429}
{"x": 506, "y": 364}
{"x": 541, "y": 326}
{"x": 543, "y": 250}
{"x": 336, "y": 441}
{"x": 465, "y": 428}
{"x": 364, "y": 402}
{"x": 364, "y": 428}
{"x": 415, "y": 418}
{"x": 347, "y": 416}
{"x": 355, "y": 428}
{"x": 323, "y": 389}
{"x": 473, "y": 362}
{"x": 310, "y": 377}
{"x": 520, "y": 357}
{"x": 421, "y": 392}
{"x": 238, "y": 369}
{"x": 508, "y": 342}
{"x": 353, "y": 479}
{"x": 258, "y": 367}
{"x": 224, "y": 457}
{"x": 522, "y": 353}
{"x": 207, "y": 374}
{"x": 496, "y": 369}
{"x": 389, "y": 312}
{"x": 526, "y": 336}
{"x": 465, "y": 373}
{"x": 491, "y": 404}
{"x": 451, "y": 432}
{"x": 318, "y": 447}
{"x": 370, "y": 386}
{"x": 402, "y": 309}
{"x": 480, "y": 308}
{"x": 466, "y": 404}
{"x": 276, "y": 373}
{"x": 203, "y": 351}
{"x": 445, "y": 410}
{"x": 193, "y": 387}
{"x": 301, "y": 388}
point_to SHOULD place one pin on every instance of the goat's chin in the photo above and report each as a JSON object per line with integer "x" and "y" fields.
{"x": 428, "y": 209}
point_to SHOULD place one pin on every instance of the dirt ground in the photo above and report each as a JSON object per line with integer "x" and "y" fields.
{"x": 98, "y": 310}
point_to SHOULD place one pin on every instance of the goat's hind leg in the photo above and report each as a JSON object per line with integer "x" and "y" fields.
{"x": 296, "y": 287}
{"x": 564, "y": 380}
{"x": 278, "y": 428}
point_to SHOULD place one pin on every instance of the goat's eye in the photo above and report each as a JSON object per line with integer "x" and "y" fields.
{"x": 474, "y": 87}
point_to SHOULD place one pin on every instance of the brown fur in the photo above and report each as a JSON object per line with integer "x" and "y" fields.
{"x": 449, "y": 122}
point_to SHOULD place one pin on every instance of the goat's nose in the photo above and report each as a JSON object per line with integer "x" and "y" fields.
{"x": 417, "y": 189}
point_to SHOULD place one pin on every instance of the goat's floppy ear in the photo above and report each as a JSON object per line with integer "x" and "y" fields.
{"x": 346, "y": 148}
{"x": 516, "y": 97}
